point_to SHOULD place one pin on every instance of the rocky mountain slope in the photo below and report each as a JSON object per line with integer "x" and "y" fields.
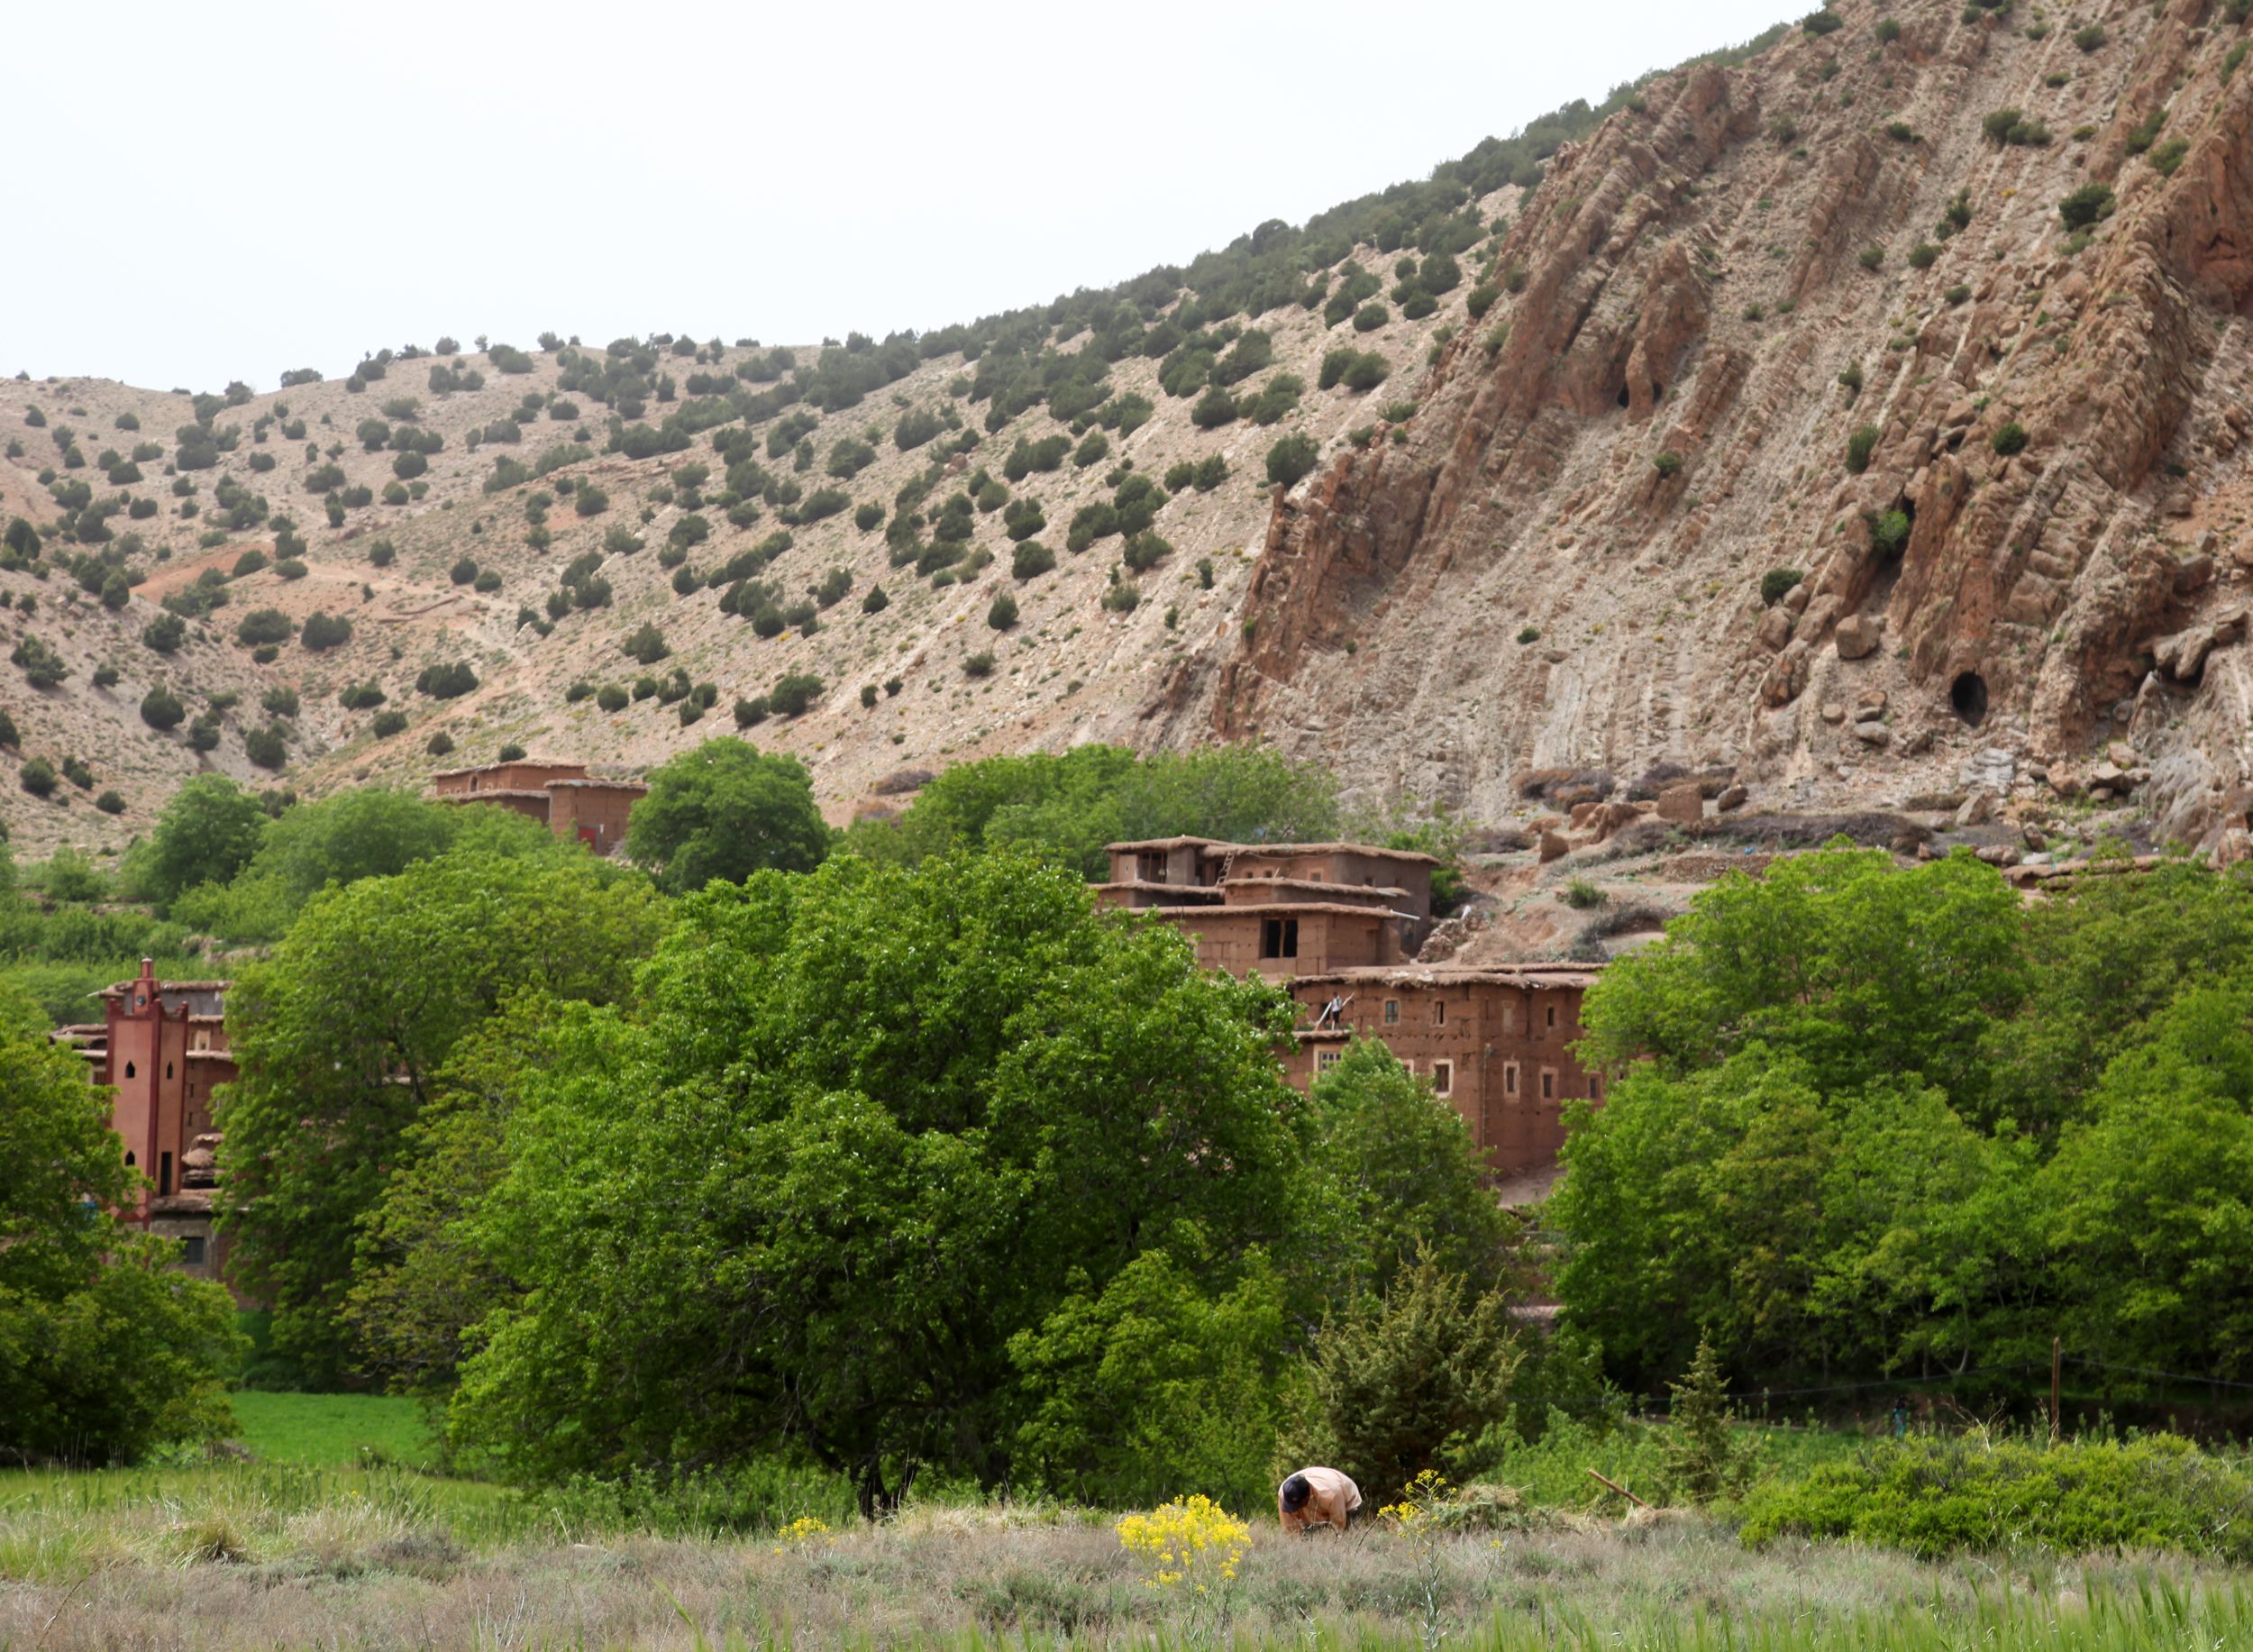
{"x": 947, "y": 681}
{"x": 1820, "y": 317}
{"x": 1782, "y": 428}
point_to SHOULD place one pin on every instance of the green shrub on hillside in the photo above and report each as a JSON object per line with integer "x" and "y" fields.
{"x": 263, "y": 625}
{"x": 1291, "y": 457}
{"x": 2086, "y": 207}
{"x": 1046, "y": 454}
{"x": 1277, "y": 399}
{"x": 915, "y": 428}
{"x": 794, "y": 693}
{"x": 161, "y": 710}
{"x": 1213, "y": 409}
{"x": 446, "y": 681}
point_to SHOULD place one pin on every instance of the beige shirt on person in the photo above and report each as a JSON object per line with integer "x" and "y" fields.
{"x": 1332, "y": 1501}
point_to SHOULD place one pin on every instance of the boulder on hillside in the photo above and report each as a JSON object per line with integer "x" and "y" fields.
{"x": 1858, "y": 636}
{"x": 1682, "y": 804}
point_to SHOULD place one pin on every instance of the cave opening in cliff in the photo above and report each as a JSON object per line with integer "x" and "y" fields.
{"x": 1625, "y": 399}
{"x": 1968, "y": 695}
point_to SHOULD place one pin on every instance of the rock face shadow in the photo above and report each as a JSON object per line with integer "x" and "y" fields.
{"x": 1968, "y": 695}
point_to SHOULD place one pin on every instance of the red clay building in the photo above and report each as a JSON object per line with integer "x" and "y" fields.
{"x": 1340, "y": 925}
{"x": 1279, "y": 909}
{"x": 1495, "y": 1043}
{"x": 162, "y": 1045}
{"x": 561, "y": 796}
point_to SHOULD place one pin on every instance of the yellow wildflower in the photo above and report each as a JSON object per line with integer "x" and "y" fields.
{"x": 1193, "y": 1540}
{"x": 804, "y": 1529}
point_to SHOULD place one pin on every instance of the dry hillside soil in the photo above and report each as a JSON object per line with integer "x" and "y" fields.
{"x": 1537, "y": 549}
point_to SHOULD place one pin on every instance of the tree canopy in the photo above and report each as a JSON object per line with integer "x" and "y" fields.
{"x": 1067, "y": 808}
{"x": 340, "y": 1035}
{"x": 371, "y": 832}
{"x": 727, "y": 810}
{"x": 1874, "y": 1120}
{"x": 899, "y": 1116}
{"x": 207, "y": 833}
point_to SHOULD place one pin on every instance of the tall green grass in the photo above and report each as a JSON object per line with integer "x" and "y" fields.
{"x": 332, "y": 1430}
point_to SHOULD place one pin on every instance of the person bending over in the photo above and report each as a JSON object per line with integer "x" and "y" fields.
{"x": 1318, "y": 1497}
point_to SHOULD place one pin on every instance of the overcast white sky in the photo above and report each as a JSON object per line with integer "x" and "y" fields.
{"x": 211, "y": 192}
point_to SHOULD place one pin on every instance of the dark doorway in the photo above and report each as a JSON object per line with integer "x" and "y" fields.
{"x": 1968, "y": 695}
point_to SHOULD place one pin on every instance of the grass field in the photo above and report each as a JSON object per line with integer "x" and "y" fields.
{"x": 332, "y": 1430}
{"x": 240, "y": 1556}
{"x": 319, "y": 1541}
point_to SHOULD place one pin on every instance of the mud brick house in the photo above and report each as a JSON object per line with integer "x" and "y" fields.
{"x": 1340, "y": 925}
{"x": 1279, "y": 909}
{"x": 162, "y": 1045}
{"x": 1495, "y": 1043}
{"x": 561, "y": 796}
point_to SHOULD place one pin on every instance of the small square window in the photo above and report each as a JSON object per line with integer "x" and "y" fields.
{"x": 1443, "y": 1077}
{"x": 1439, "y": 1012}
{"x": 1324, "y": 1059}
{"x": 1392, "y": 1011}
{"x": 1548, "y": 1085}
{"x": 1552, "y": 1015}
{"x": 1510, "y": 1078}
{"x": 191, "y": 1251}
{"x": 1595, "y": 1088}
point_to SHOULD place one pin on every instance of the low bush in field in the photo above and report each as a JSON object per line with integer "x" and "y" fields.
{"x": 1936, "y": 1496}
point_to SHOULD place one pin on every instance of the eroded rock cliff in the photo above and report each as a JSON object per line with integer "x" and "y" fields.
{"x": 2037, "y": 546}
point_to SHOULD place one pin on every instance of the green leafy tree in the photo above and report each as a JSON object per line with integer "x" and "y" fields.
{"x": 2148, "y": 1203}
{"x": 1812, "y": 1150}
{"x": 2101, "y": 965}
{"x": 420, "y": 1278}
{"x": 1399, "y": 1178}
{"x": 1864, "y": 972}
{"x": 727, "y": 810}
{"x": 107, "y": 1354}
{"x": 899, "y": 1117}
{"x": 339, "y": 1049}
{"x": 207, "y": 833}
{"x": 1159, "y": 1386}
{"x": 372, "y": 831}
{"x": 1409, "y": 1381}
{"x": 1068, "y": 807}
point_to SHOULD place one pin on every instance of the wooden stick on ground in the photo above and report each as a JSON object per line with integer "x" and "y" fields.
{"x": 1623, "y": 1492}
